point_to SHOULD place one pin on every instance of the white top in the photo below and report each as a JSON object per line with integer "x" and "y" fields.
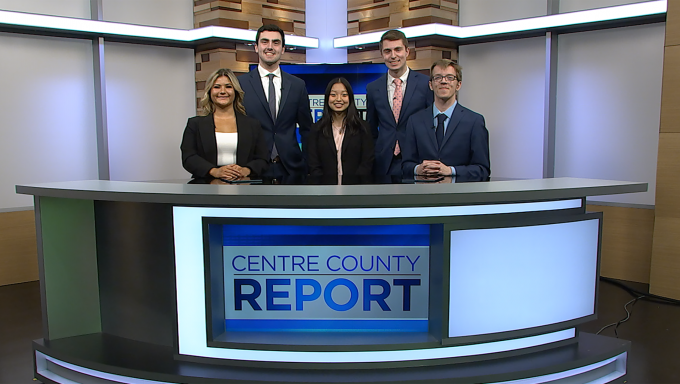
{"x": 226, "y": 147}
{"x": 265, "y": 84}
{"x": 391, "y": 87}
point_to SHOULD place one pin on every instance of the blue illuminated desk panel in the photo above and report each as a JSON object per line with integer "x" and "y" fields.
{"x": 169, "y": 282}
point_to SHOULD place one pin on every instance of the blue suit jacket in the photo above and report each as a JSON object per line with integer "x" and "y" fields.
{"x": 293, "y": 109}
{"x": 465, "y": 145}
{"x": 379, "y": 115}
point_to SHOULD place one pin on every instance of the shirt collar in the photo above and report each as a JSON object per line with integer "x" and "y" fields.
{"x": 403, "y": 77}
{"x": 263, "y": 72}
{"x": 448, "y": 112}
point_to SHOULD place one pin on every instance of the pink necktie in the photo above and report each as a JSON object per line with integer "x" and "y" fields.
{"x": 397, "y": 99}
{"x": 396, "y": 108}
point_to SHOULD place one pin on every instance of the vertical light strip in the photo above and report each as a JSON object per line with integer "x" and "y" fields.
{"x": 323, "y": 21}
{"x": 550, "y": 103}
{"x": 101, "y": 118}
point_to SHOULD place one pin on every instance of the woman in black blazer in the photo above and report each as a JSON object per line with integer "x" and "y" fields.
{"x": 340, "y": 129}
{"x": 223, "y": 142}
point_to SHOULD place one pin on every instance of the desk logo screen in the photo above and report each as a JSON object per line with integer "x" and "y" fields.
{"x": 363, "y": 282}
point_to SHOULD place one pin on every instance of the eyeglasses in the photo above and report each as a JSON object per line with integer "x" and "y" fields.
{"x": 449, "y": 78}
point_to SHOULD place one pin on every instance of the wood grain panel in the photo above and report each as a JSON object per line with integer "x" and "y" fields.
{"x": 372, "y": 25}
{"x": 18, "y": 250}
{"x": 367, "y": 15}
{"x": 667, "y": 180}
{"x": 665, "y": 271}
{"x": 250, "y": 14}
{"x": 673, "y": 23}
{"x": 670, "y": 95}
{"x": 627, "y": 235}
{"x": 425, "y": 20}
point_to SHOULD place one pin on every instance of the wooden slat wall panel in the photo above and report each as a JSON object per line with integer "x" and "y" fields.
{"x": 665, "y": 264}
{"x": 371, "y": 15}
{"x": 246, "y": 14}
{"x": 665, "y": 270}
{"x": 665, "y": 275}
{"x": 18, "y": 251}
{"x": 673, "y": 23}
{"x": 670, "y": 97}
{"x": 626, "y": 242}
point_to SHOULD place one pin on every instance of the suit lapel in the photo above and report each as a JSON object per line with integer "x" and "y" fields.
{"x": 408, "y": 92}
{"x": 285, "y": 90}
{"x": 456, "y": 116}
{"x": 243, "y": 139}
{"x": 385, "y": 96}
{"x": 331, "y": 143}
{"x": 431, "y": 130}
{"x": 258, "y": 87}
{"x": 207, "y": 132}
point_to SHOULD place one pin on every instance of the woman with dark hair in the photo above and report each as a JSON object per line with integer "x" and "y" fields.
{"x": 223, "y": 142}
{"x": 340, "y": 143}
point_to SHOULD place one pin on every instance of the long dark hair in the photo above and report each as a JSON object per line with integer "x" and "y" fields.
{"x": 352, "y": 122}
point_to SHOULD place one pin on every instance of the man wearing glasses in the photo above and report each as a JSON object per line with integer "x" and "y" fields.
{"x": 446, "y": 139}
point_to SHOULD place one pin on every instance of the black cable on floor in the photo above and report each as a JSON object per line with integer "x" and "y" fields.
{"x": 616, "y": 325}
{"x": 644, "y": 295}
{"x": 638, "y": 295}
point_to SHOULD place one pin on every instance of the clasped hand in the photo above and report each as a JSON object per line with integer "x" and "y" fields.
{"x": 230, "y": 172}
{"x": 433, "y": 167}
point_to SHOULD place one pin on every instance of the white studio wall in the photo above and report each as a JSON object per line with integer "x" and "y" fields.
{"x": 608, "y": 106}
{"x": 46, "y": 113}
{"x": 474, "y": 12}
{"x": 580, "y": 5}
{"x": 505, "y": 82}
{"x": 150, "y": 94}
{"x": 65, "y": 8}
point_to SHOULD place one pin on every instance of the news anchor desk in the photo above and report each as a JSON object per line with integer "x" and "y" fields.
{"x": 460, "y": 283}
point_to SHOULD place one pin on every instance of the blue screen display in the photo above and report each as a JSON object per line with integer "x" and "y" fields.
{"x": 326, "y": 278}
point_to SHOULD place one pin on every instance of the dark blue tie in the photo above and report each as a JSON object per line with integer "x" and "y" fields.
{"x": 439, "y": 133}
{"x": 272, "y": 96}
{"x": 272, "y": 109}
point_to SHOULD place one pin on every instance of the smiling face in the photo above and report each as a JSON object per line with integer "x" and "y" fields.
{"x": 222, "y": 92}
{"x": 269, "y": 48}
{"x": 338, "y": 100}
{"x": 394, "y": 52}
{"x": 444, "y": 83}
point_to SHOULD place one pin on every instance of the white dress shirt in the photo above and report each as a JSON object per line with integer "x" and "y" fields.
{"x": 391, "y": 87}
{"x": 265, "y": 84}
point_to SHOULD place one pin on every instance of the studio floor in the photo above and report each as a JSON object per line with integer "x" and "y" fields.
{"x": 653, "y": 328}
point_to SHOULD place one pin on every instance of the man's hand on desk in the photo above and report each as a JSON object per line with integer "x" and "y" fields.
{"x": 433, "y": 167}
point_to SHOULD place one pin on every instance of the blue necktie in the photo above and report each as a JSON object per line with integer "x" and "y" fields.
{"x": 439, "y": 133}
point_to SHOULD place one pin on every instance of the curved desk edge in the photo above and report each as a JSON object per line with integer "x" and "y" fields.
{"x": 341, "y": 196}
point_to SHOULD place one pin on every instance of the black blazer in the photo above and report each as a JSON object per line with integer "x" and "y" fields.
{"x": 199, "y": 146}
{"x": 357, "y": 153}
{"x": 293, "y": 109}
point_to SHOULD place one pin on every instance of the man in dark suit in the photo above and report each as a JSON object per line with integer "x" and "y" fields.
{"x": 391, "y": 100}
{"x": 446, "y": 139}
{"x": 279, "y": 101}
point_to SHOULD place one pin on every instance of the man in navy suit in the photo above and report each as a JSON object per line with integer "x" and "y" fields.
{"x": 391, "y": 100}
{"x": 446, "y": 139}
{"x": 279, "y": 101}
